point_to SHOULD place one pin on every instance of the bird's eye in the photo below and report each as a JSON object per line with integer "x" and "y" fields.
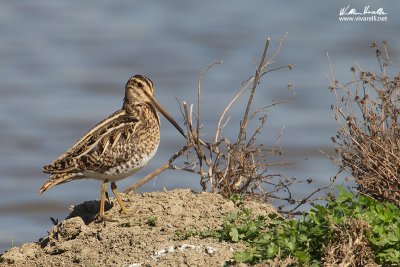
{"x": 140, "y": 85}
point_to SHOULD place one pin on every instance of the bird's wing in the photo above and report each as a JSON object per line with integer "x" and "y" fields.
{"x": 85, "y": 154}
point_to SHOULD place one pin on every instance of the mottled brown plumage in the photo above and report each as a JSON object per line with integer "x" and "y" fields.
{"x": 116, "y": 147}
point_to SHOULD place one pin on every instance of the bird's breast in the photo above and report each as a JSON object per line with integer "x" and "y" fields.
{"x": 128, "y": 168}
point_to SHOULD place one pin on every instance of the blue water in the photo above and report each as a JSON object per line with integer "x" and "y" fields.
{"x": 64, "y": 65}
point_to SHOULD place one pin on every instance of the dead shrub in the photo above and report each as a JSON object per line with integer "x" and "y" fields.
{"x": 231, "y": 166}
{"x": 368, "y": 139}
{"x": 234, "y": 166}
{"x": 349, "y": 246}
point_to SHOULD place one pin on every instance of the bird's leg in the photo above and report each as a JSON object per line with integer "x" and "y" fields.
{"x": 102, "y": 215}
{"x": 114, "y": 189}
{"x": 102, "y": 198}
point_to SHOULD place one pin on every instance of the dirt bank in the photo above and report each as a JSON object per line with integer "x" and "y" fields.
{"x": 146, "y": 238}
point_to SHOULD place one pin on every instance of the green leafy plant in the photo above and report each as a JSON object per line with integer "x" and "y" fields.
{"x": 236, "y": 199}
{"x": 152, "y": 220}
{"x": 185, "y": 234}
{"x": 375, "y": 226}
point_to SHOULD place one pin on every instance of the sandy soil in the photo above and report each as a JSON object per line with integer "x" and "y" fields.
{"x": 80, "y": 240}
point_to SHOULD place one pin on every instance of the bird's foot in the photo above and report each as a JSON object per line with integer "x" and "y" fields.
{"x": 125, "y": 213}
{"x": 104, "y": 218}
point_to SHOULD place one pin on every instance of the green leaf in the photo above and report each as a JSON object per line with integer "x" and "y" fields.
{"x": 243, "y": 256}
{"x": 232, "y": 217}
{"x": 234, "y": 234}
{"x": 272, "y": 251}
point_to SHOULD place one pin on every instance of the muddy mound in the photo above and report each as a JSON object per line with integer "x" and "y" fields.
{"x": 146, "y": 237}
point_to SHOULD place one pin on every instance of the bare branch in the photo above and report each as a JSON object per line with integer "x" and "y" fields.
{"x": 152, "y": 175}
{"x": 243, "y": 124}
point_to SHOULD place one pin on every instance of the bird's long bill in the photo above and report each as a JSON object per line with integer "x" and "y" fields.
{"x": 163, "y": 111}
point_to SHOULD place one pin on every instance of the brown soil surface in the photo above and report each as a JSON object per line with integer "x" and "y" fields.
{"x": 81, "y": 241}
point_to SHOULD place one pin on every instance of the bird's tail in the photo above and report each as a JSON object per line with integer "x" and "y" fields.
{"x": 58, "y": 178}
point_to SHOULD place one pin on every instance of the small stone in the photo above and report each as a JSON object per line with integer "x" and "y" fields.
{"x": 68, "y": 229}
{"x": 162, "y": 252}
{"x": 184, "y": 247}
{"x": 210, "y": 250}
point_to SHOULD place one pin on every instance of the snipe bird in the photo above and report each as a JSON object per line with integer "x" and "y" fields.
{"x": 116, "y": 147}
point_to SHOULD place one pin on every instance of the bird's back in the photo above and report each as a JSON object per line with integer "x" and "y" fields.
{"x": 113, "y": 149}
{"x": 88, "y": 143}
